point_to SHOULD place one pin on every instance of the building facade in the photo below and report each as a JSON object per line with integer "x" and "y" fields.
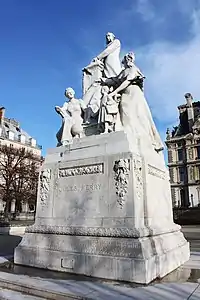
{"x": 183, "y": 147}
{"x": 12, "y": 134}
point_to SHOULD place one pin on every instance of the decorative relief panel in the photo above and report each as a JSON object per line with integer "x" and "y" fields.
{"x": 124, "y": 247}
{"x": 55, "y": 185}
{"x": 191, "y": 173}
{"x": 86, "y": 231}
{"x": 82, "y": 170}
{"x": 121, "y": 177}
{"x": 139, "y": 177}
{"x": 45, "y": 178}
{"x": 190, "y": 153}
{"x": 156, "y": 172}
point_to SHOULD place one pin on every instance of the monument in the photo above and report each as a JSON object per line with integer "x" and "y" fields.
{"x": 104, "y": 205}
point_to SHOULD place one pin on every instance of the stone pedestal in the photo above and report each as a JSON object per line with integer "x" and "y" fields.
{"x": 104, "y": 209}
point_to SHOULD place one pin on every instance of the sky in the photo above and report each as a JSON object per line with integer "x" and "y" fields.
{"x": 45, "y": 44}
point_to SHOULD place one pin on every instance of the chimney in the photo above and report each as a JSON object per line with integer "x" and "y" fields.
{"x": 2, "y": 113}
{"x": 190, "y": 110}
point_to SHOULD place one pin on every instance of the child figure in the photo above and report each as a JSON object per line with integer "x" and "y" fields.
{"x": 108, "y": 109}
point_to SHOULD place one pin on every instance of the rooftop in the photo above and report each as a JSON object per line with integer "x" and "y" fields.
{"x": 189, "y": 116}
{"x": 10, "y": 129}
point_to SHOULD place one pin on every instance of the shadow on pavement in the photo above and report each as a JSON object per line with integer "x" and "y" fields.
{"x": 8, "y": 244}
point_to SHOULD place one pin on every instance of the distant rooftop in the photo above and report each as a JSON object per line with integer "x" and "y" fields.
{"x": 189, "y": 116}
{"x": 10, "y": 129}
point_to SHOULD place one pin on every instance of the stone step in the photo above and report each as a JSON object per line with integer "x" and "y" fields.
{"x": 6, "y": 294}
{"x": 23, "y": 287}
{"x": 37, "y": 288}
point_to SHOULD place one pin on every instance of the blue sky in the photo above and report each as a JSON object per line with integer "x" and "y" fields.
{"x": 44, "y": 44}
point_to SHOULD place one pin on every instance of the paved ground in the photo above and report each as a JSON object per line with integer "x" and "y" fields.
{"x": 192, "y": 234}
{"x": 56, "y": 289}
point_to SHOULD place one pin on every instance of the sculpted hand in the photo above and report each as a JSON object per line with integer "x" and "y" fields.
{"x": 57, "y": 108}
{"x": 109, "y": 99}
{"x": 95, "y": 59}
{"x": 103, "y": 80}
{"x": 111, "y": 95}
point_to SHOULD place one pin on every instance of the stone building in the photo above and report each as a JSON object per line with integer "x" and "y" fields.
{"x": 183, "y": 146}
{"x": 12, "y": 134}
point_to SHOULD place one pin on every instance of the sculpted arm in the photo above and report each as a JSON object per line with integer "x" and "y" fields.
{"x": 124, "y": 85}
{"x": 115, "y": 44}
{"x": 82, "y": 105}
{"x": 62, "y": 110}
{"x": 127, "y": 81}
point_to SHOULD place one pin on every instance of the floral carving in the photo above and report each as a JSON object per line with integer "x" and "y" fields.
{"x": 121, "y": 169}
{"x": 45, "y": 177}
{"x": 156, "y": 172}
{"x": 87, "y": 231}
{"x": 138, "y": 176}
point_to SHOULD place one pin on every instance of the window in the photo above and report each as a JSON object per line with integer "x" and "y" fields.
{"x": 184, "y": 198}
{"x": 198, "y": 176}
{"x": 171, "y": 174}
{"x": 198, "y": 152}
{"x": 11, "y": 135}
{"x": 180, "y": 154}
{"x": 170, "y": 157}
{"x": 179, "y": 144}
{"x": 182, "y": 174}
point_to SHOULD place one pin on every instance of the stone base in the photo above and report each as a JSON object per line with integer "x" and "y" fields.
{"x": 104, "y": 209}
{"x": 139, "y": 260}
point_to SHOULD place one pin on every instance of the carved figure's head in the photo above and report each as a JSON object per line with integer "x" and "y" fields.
{"x": 189, "y": 99}
{"x": 105, "y": 89}
{"x": 128, "y": 60}
{"x": 110, "y": 37}
{"x": 69, "y": 93}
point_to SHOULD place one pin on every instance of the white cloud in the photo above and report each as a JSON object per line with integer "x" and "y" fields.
{"x": 145, "y": 9}
{"x": 171, "y": 70}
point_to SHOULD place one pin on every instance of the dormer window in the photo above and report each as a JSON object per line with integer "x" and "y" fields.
{"x": 11, "y": 135}
{"x": 22, "y": 138}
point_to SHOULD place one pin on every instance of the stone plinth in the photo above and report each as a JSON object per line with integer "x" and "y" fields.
{"x": 104, "y": 210}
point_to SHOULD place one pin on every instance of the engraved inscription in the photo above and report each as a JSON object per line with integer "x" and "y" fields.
{"x": 156, "y": 172}
{"x": 82, "y": 170}
{"x": 93, "y": 246}
{"x": 112, "y": 247}
{"x": 84, "y": 187}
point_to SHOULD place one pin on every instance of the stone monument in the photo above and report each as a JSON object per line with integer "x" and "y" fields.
{"x": 104, "y": 205}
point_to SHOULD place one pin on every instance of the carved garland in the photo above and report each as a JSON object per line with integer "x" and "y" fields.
{"x": 45, "y": 177}
{"x": 138, "y": 175}
{"x": 87, "y": 231}
{"x": 95, "y": 231}
{"x": 121, "y": 169}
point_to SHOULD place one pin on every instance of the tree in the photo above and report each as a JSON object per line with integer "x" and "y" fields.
{"x": 19, "y": 169}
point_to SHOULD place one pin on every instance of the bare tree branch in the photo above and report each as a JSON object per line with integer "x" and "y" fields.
{"x": 18, "y": 176}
